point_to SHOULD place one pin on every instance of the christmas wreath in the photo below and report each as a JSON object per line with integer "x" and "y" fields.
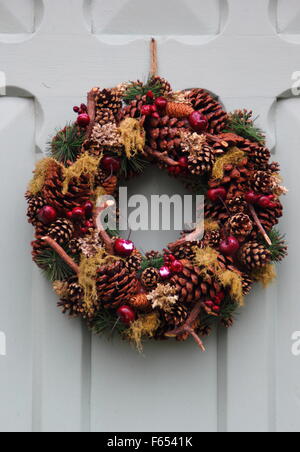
{"x": 194, "y": 283}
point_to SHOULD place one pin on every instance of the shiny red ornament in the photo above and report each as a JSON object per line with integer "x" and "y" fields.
{"x": 88, "y": 208}
{"x": 251, "y": 197}
{"x": 126, "y": 314}
{"x": 216, "y": 309}
{"x": 198, "y": 122}
{"x": 47, "y": 215}
{"x": 83, "y": 120}
{"x": 165, "y": 272}
{"x": 176, "y": 267}
{"x": 89, "y": 224}
{"x": 146, "y": 110}
{"x": 210, "y": 304}
{"x": 110, "y": 164}
{"x": 161, "y": 103}
{"x": 78, "y": 214}
{"x": 229, "y": 246}
{"x": 215, "y": 194}
{"x": 150, "y": 94}
{"x": 123, "y": 247}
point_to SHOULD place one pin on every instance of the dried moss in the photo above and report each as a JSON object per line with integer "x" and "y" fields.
{"x": 132, "y": 136}
{"x": 86, "y": 165}
{"x": 265, "y": 275}
{"x": 145, "y": 326}
{"x": 234, "y": 282}
{"x": 40, "y": 173}
{"x": 233, "y": 157}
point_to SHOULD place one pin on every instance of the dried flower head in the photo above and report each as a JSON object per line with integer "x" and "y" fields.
{"x": 163, "y": 297}
{"x": 192, "y": 143}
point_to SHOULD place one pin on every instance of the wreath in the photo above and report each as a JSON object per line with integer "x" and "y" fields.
{"x": 195, "y": 282}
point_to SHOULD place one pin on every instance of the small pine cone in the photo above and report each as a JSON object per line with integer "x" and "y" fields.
{"x": 35, "y": 204}
{"x": 72, "y": 302}
{"x": 237, "y": 205}
{"x": 270, "y": 217}
{"x": 61, "y": 231}
{"x": 74, "y": 246}
{"x": 151, "y": 255}
{"x": 116, "y": 285}
{"x": 133, "y": 263}
{"x": 176, "y": 316}
{"x": 179, "y": 110}
{"x": 133, "y": 109}
{"x": 228, "y": 323}
{"x": 110, "y": 185}
{"x": 212, "y": 238}
{"x": 259, "y": 155}
{"x": 203, "y": 162}
{"x": 247, "y": 283}
{"x": 216, "y": 211}
{"x": 101, "y": 177}
{"x": 105, "y": 116}
{"x": 274, "y": 167}
{"x": 150, "y": 278}
{"x": 165, "y": 85}
{"x": 240, "y": 225}
{"x": 204, "y": 330}
{"x": 140, "y": 302}
{"x": 262, "y": 182}
{"x": 185, "y": 251}
{"x": 202, "y": 101}
{"x": 108, "y": 99}
{"x": 254, "y": 255}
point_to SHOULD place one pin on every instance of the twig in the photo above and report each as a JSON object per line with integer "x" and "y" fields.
{"x": 162, "y": 156}
{"x": 260, "y": 226}
{"x": 192, "y": 237}
{"x": 187, "y": 327}
{"x": 61, "y": 252}
{"x": 107, "y": 240}
{"x": 153, "y": 55}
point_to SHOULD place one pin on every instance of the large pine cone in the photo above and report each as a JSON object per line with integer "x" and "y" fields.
{"x": 236, "y": 175}
{"x": 191, "y": 286}
{"x": 164, "y": 134}
{"x": 116, "y": 285}
{"x": 254, "y": 255}
{"x": 203, "y": 162}
{"x": 216, "y": 211}
{"x": 165, "y": 85}
{"x": 78, "y": 192}
{"x": 176, "y": 317}
{"x": 107, "y": 99}
{"x": 202, "y": 101}
{"x": 61, "y": 231}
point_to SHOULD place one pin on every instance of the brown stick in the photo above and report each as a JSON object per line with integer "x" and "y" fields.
{"x": 91, "y": 107}
{"x": 162, "y": 156}
{"x": 154, "y": 62}
{"x": 192, "y": 237}
{"x": 107, "y": 240}
{"x": 260, "y": 226}
{"x": 60, "y": 251}
{"x": 187, "y": 327}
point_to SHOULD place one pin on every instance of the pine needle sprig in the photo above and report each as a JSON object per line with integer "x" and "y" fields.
{"x": 107, "y": 322}
{"x": 278, "y": 247}
{"x": 138, "y": 89}
{"x": 241, "y": 123}
{"x": 136, "y": 165}
{"x": 156, "y": 262}
{"x": 67, "y": 143}
{"x": 53, "y": 266}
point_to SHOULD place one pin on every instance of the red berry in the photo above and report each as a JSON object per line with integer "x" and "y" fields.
{"x": 146, "y": 110}
{"x": 83, "y": 120}
{"x": 126, "y": 314}
{"x": 216, "y": 309}
{"x": 76, "y": 109}
{"x": 89, "y": 224}
{"x": 251, "y": 197}
{"x": 47, "y": 215}
{"x": 210, "y": 304}
{"x": 214, "y": 194}
{"x": 264, "y": 202}
{"x": 165, "y": 272}
{"x": 69, "y": 215}
{"x": 229, "y": 246}
{"x": 153, "y": 108}
{"x": 183, "y": 162}
{"x": 155, "y": 115}
{"x": 84, "y": 230}
{"x": 220, "y": 296}
{"x": 88, "y": 208}
{"x": 124, "y": 247}
{"x": 176, "y": 267}
{"x": 110, "y": 164}
{"x": 150, "y": 95}
{"x": 161, "y": 103}
{"x": 83, "y": 108}
{"x": 78, "y": 214}
{"x": 198, "y": 122}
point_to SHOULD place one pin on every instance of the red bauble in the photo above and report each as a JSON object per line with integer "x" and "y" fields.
{"x": 155, "y": 115}
{"x": 69, "y": 215}
{"x": 210, "y": 304}
{"x": 216, "y": 309}
{"x": 165, "y": 272}
{"x": 146, "y": 110}
{"x": 83, "y": 120}
{"x": 251, "y": 197}
{"x": 78, "y": 214}
{"x": 176, "y": 267}
{"x": 124, "y": 247}
{"x": 198, "y": 122}
{"x": 88, "y": 208}
{"x": 229, "y": 246}
{"x": 161, "y": 103}
{"x": 126, "y": 314}
{"x": 111, "y": 164}
{"x": 47, "y": 215}
{"x": 150, "y": 94}
{"x": 215, "y": 194}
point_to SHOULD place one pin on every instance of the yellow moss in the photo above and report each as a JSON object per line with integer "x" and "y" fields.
{"x": 132, "y": 136}
{"x": 233, "y": 281}
{"x": 211, "y": 225}
{"x": 87, "y": 275}
{"x": 98, "y": 193}
{"x": 145, "y": 325}
{"x": 40, "y": 173}
{"x": 265, "y": 275}
{"x": 233, "y": 157}
{"x": 86, "y": 165}
{"x": 207, "y": 260}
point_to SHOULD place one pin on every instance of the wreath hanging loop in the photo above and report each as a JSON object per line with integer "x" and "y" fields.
{"x": 197, "y": 281}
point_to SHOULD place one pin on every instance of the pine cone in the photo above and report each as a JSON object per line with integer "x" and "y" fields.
{"x": 35, "y": 204}
{"x": 110, "y": 185}
{"x": 269, "y": 217}
{"x": 215, "y": 211}
{"x": 150, "y": 278}
{"x": 133, "y": 109}
{"x": 165, "y": 85}
{"x": 179, "y": 110}
{"x": 108, "y": 99}
{"x": 202, "y": 101}
{"x": 274, "y": 167}
{"x": 203, "y": 162}
{"x": 254, "y": 255}
{"x": 105, "y": 116}
{"x": 240, "y": 226}
{"x": 247, "y": 283}
{"x": 140, "y": 302}
{"x": 133, "y": 263}
{"x": 61, "y": 231}
{"x": 74, "y": 246}
{"x": 262, "y": 182}
{"x": 151, "y": 255}
{"x": 236, "y": 175}
{"x": 212, "y": 238}
{"x": 185, "y": 251}
{"x": 73, "y": 303}
{"x": 78, "y": 192}
{"x": 237, "y": 205}
{"x": 176, "y": 317}
{"x": 115, "y": 285}
{"x": 191, "y": 286}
